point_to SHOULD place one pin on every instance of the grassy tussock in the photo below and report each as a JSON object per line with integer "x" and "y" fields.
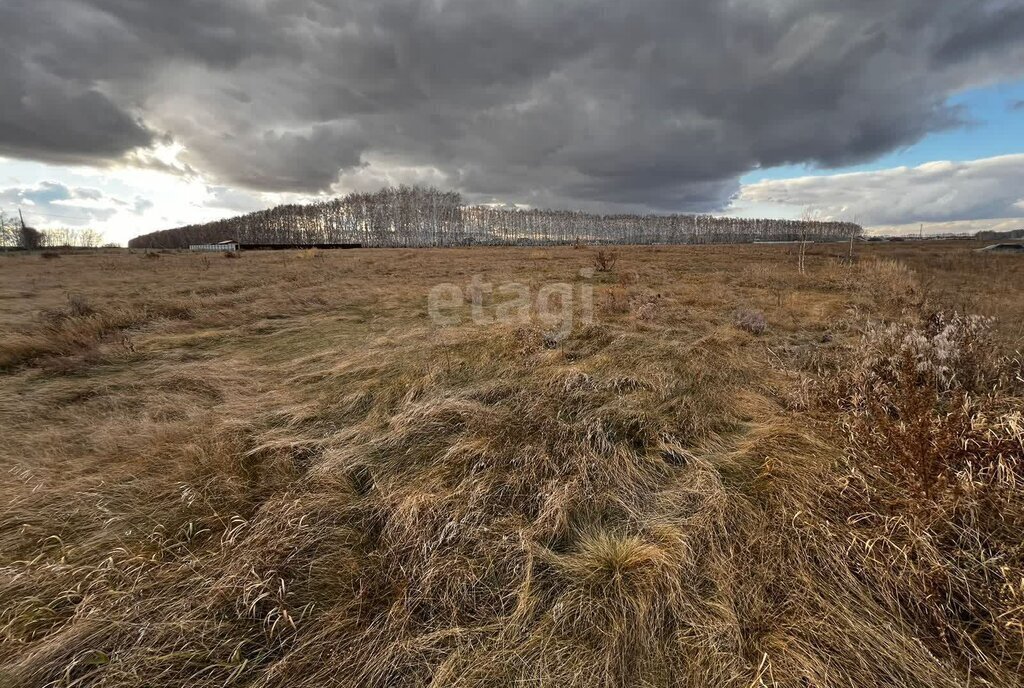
{"x": 309, "y": 485}
{"x": 75, "y": 334}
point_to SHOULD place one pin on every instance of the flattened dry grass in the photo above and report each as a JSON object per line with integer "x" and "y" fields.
{"x": 305, "y": 483}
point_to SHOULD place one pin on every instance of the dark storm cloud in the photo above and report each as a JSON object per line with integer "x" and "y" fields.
{"x": 983, "y": 32}
{"x": 45, "y": 118}
{"x": 657, "y": 104}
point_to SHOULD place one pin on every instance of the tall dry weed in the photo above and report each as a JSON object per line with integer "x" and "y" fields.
{"x": 935, "y": 433}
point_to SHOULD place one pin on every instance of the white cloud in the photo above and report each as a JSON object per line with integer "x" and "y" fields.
{"x": 975, "y": 193}
{"x": 121, "y": 202}
{"x": 955, "y": 227}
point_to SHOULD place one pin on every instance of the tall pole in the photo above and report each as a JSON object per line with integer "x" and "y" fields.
{"x": 24, "y": 237}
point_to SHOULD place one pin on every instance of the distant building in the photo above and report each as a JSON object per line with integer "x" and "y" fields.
{"x": 226, "y": 245}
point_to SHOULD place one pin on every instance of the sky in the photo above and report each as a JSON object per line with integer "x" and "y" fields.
{"x": 129, "y": 116}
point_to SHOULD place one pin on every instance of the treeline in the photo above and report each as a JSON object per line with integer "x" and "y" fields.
{"x": 991, "y": 235}
{"x": 14, "y": 234}
{"x": 418, "y": 217}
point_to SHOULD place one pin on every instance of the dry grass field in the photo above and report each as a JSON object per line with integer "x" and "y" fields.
{"x": 277, "y": 469}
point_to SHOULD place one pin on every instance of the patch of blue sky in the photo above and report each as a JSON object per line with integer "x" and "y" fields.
{"x": 994, "y": 126}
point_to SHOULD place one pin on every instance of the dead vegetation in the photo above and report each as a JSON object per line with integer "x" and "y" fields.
{"x": 751, "y": 321}
{"x": 76, "y": 332}
{"x": 605, "y": 260}
{"x": 281, "y": 484}
{"x": 932, "y": 415}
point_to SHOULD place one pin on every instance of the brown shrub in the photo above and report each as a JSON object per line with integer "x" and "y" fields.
{"x": 932, "y": 417}
{"x": 605, "y": 260}
{"x": 922, "y": 398}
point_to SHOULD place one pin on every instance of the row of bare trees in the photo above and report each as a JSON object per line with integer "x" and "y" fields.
{"x": 15, "y": 234}
{"x": 58, "y": 237}
{"x": 419, "y": 217}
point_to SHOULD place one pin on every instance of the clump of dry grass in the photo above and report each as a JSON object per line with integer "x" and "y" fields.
{"x": 644, "y": 304}
{"x": 647, "y": 311}
{"x": 889, "y": 281}
{"x": 761, "y": 275}
{"x": 78, "y": 307}
{"x": 751, "y": 321}
{"x": 616, "y": 301}
{"x": 75, "y": 333}
{"x": 628, "y": 277}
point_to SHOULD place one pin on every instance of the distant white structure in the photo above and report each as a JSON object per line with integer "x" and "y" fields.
{"x": 226, "y": 245}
